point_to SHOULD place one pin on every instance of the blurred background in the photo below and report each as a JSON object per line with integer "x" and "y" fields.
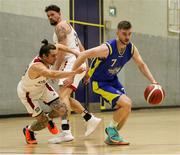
{"x": 156, "y": 31}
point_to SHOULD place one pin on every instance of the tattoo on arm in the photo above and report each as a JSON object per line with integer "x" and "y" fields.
{"x": 61, "y": 33}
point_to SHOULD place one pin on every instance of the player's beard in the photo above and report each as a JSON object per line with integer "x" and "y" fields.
{"x": 53, "y": 23}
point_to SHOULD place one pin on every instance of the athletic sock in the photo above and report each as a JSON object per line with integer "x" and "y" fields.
{"x": 65, "y": 124}
{"x": 86, "y": 115}
{"x": 113, "y": 124}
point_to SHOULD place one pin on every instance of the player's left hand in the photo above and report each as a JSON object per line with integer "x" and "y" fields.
{"x": 156, "y": 83}
{"x": 68, "y": 81}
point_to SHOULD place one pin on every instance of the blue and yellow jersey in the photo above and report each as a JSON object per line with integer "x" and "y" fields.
{"x": 106, "y": 69}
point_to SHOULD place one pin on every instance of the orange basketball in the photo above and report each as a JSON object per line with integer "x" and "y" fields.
{"x": 154, "y": 94}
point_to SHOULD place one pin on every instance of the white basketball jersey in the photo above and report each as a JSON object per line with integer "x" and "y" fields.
{"x": 33, "y": 85}
{"x": 72, "y": 41}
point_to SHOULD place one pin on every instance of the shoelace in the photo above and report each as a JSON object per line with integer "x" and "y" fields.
{"x": 115, "y": 132}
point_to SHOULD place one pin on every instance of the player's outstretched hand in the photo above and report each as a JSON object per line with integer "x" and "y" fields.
{"x": 68, "y": 81}
{"x": 80, "y": 70}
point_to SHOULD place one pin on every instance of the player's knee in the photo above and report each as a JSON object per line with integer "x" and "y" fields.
{"x": 125, "y": 103}
{"x": 128, "y": 105}
{"x": 62, "y": 110}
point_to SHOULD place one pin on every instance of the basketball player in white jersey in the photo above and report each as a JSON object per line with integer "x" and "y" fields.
{"x": 66, "y": 35}
{"x": 34, "y": 87}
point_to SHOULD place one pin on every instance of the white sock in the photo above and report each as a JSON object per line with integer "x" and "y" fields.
{"x": 113, "y": 124}
{"x": 29, "y": 128}
{"x": 50, "y": 119}
{"x": 64, "y": 121}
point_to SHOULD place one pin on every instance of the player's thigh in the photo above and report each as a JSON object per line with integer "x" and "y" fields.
{"x": 49, "y": 95}
{"x": 117, "y": 85}
{"x": 30, "y": 102}
{"x": 64, "y": 92}
{"x": 77, "y": 79}
{"x": 108, "y": 92}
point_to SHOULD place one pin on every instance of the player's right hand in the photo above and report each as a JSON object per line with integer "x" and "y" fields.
{"x": 80, "y": 70}
{"x": 68, "y": 81}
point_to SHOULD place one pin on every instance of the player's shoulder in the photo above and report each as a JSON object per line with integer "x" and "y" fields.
{"x": 37, "y": 62}
{"x": 37, "y": 65}
{"x": 111, "y": 41}
{"x": 111, "y": 44}
{"x": 63, "y": 25}
{"x": 133, "y": 48}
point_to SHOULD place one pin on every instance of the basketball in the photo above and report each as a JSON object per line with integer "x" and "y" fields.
{"x": 154, "y": 94}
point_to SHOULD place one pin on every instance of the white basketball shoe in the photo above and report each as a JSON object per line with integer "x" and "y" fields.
{"x": 92, "y": 125}
{"x": 64, "y": 136}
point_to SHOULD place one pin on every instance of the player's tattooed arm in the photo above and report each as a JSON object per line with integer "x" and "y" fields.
{"x": 101, "y": 51}
{"x": 61, "y": 33}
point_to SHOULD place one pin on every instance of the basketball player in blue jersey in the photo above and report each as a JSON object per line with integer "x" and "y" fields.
{"x": 109, "y": 58}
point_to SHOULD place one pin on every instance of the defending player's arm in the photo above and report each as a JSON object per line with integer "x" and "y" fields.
{"x": 61, "y": 33}
{"x": 59, "y": 60}
{"x": 63, "y": 48}
{"x": 101, "y": 51}
{"x": 40, "y": 70}
{"x": 81, "y": 47}
{"x": 142, "y": 66}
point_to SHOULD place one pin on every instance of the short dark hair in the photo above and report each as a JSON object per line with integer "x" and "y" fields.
{"x": 52, "y": 8}
{"x": 45, "y": 49}
{"x": 124, "y": 25}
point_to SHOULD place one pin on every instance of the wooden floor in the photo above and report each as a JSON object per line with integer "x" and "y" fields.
{"x": 149, "y": 131}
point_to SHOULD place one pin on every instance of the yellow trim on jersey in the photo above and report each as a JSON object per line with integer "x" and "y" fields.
{"x": 105, "y": 94}
{"x": 132, "y": 48}
{"x": 92, "y": 70}
{"x": 110, "y": 48}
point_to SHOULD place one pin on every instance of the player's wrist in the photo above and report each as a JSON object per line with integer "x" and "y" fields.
{"x": 155, "y": 82}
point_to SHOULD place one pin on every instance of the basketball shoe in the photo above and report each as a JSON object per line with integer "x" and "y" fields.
{"x": 29, "y": 136}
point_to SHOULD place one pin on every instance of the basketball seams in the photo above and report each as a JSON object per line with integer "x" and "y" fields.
{"x": 150, "y": 93}
{"x": 162, "y": 94}
{"x": 156, "y": 87}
